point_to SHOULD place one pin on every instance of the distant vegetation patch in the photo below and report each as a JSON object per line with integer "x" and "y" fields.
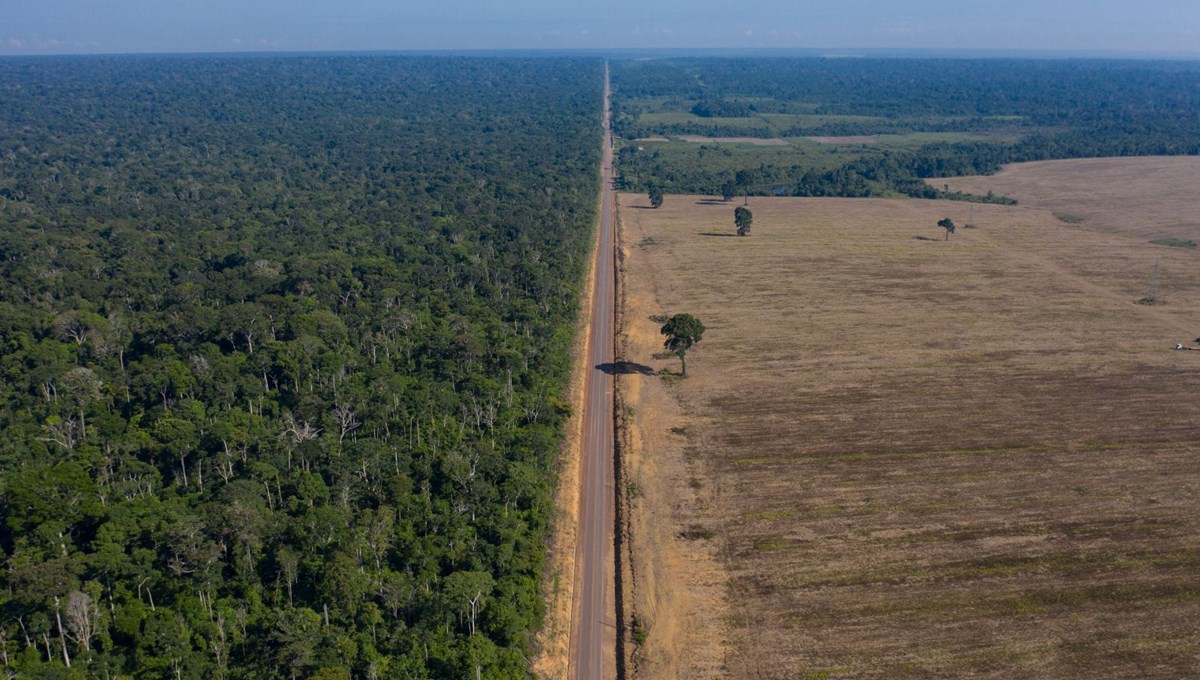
{"x": 1174, "y": 242}
{"x": 1070, "y": 218}
{"x": 695, "y": 532}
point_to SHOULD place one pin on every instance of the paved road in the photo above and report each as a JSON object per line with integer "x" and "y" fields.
{"x": 593, "y": 637}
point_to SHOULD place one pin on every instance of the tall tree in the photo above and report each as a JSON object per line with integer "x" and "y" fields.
{"x": 729, "y": 189}
{"x": 656, "y": 196}
{"x": 948, "y": 225}
{"x": 682, "y": 331}
{"x": 742, "y": 219}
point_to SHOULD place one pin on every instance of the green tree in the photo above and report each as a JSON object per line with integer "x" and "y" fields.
{"x": 682, "y": 331}
{"x": 729, "y": 189}
{"x": 742, "y": 219}
{"x": 468, "y": 592}
{"x": 656, "y": 196}
{"x": 948, "y": 225}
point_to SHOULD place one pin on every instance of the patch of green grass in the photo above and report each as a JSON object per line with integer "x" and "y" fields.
{"x": 647, "y": 242}
{"x": 1174, "y": 242}
{"x": 638, "y": 631}
{"x": 681, "y": 117}
{"x": 825, "y": 510}
{"x": 670, "y": 377}
{"x": 1070, "y": 218}
{"x": 752, "y": 461}
{"x": 772, "y": 515}
{"x": 914, "y": 140}
{"x": 771, "y": 545}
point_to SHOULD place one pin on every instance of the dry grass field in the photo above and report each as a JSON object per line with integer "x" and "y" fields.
{"x": 1153, "y": 197}
{"x": 900, "y": 457}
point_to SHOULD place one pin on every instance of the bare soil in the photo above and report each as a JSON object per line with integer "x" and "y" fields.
{"x": 1150, "y": 197}
{"x": 901, "y": 457}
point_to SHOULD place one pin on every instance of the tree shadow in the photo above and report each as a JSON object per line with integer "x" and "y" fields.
{"x": 714, "y": 233}
{"x": 924, "y": 238}
{"x": 625, "y": 368}
{"x": 642, "y": 207}
{"x": 712, "y": 201}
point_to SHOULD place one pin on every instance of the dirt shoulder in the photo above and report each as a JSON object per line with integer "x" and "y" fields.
{"x": 553, "y": 642}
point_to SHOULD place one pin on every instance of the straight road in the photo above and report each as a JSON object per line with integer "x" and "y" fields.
{"x": 593, "y": 631}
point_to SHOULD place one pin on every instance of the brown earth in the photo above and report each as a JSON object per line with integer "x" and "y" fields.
{"x": 900, "y": 457}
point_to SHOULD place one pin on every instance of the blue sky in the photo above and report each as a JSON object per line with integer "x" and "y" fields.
{"x": 87, "y": 26}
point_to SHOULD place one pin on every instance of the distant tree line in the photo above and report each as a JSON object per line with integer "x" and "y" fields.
{"x": 1044, "y": 109}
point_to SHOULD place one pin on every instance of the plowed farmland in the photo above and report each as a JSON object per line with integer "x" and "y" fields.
{"x": 899, "y": 456}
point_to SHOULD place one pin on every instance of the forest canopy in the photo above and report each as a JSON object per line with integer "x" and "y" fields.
{"x": 283, "y": 344}
{"x": 885, "y": 125}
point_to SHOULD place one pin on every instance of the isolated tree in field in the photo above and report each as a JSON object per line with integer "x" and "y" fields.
{"x": 656, "y": 196}
{"x": 744, "y": 179}
{"x": 682, "y": 331}
{"x": 729, "y": 189}
{"x": 948, "y": 225}
{"x": 742, "y": 219}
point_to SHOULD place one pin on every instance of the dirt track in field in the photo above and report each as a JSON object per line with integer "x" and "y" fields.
{"x": 896, "y": 456}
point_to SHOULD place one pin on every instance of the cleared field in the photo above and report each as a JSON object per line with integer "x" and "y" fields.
{"x": 899, "y": 457}
{"x": 1149, "y": 197}
{"x": 848, "y": 139}
{"x": 754, "y": 141}
{"x": 683, "y": 117}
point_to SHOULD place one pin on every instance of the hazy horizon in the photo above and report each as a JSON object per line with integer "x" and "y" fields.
{"x": 1163, "y": 28}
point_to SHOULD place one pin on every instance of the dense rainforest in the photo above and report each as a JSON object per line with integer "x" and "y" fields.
{"x": 991, "y": 111}
{"x": 283, "y": 344}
